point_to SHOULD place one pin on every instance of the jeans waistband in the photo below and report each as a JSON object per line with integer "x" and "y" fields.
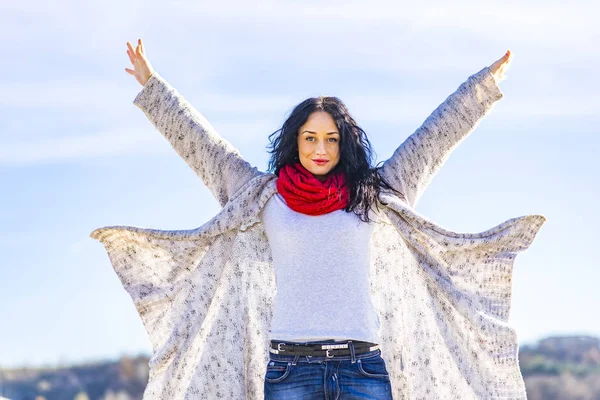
{"x": 314, "y": 353}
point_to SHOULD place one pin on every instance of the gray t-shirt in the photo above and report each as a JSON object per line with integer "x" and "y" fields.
{"x": 322, "y": 275}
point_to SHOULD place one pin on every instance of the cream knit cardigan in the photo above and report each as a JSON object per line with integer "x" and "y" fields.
{"x": 205, "y": 295}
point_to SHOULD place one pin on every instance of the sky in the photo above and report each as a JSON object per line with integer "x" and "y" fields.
{"x": 76, "y": 154}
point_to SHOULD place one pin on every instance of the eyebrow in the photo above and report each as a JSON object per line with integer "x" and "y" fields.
{"x": 329, "y": 133}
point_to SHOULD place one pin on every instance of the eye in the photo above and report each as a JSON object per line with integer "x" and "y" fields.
{"x": 333, "y": 139}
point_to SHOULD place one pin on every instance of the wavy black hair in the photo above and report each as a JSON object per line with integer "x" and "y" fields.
{"x": 364, "y": 181}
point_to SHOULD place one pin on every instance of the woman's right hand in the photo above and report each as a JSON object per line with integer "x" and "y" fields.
{"x": 142, "y": 69}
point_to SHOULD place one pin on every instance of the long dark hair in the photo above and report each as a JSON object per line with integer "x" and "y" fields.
{"x": 364, "y": 182}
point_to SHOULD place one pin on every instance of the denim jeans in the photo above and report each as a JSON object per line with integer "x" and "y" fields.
{"x": 363, "y": 376}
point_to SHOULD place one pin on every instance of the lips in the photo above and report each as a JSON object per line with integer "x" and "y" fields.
{"x": 320, "y": 162}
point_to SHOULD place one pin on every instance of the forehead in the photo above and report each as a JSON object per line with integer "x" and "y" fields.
{"x": 319, "y": 121}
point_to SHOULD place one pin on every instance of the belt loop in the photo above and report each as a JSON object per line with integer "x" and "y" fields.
{"x": 295, "y": 360}
{"x": 351, "y": 345}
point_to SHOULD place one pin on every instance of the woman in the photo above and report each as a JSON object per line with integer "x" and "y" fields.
{"x": 371, "y": 302}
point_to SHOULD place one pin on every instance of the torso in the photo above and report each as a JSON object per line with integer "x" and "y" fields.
{"x": 322, "y": 274}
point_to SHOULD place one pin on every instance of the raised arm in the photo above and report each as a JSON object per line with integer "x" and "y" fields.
{"x": 213, "y": 159}
{"x": 417, "y": 160}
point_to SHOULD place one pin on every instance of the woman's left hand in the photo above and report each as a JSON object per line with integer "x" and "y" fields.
{"x": 499, "y": 67}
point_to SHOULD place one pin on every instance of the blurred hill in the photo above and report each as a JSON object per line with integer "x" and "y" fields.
{"x": 559, "y": 367}
{"x": 124, "y": 379}
{"x": 555, "y": 368}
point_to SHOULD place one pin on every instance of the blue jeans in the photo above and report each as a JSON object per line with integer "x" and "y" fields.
{"x": 363, "y": 376}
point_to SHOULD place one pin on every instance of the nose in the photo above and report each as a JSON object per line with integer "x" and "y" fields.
{"x": 320, "y": 148}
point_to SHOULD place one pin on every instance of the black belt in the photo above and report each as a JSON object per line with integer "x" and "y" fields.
{"x": 328, "y": 350}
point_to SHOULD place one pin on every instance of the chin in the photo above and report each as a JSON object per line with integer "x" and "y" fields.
{"x": 315, "y": 169}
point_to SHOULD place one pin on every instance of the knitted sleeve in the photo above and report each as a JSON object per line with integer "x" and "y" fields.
{"x": 416, "y": 161}
{"x": 211, "y": 157}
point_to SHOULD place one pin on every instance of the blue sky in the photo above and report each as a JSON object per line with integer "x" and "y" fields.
{"x": 76, "y": 154}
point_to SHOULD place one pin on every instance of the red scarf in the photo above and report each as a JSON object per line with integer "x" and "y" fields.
{"x": 306, "y": 194}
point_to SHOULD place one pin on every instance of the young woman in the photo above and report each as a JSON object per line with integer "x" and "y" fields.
{"x": 328, "y": 338}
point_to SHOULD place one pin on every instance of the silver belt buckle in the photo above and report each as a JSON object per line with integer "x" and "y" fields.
{"x": 279, "y": 347}
{"x": 327, "y": 353}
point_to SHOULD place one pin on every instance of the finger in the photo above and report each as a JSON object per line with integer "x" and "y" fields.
{"x": 132, "y": 53}
{"x": 507, "y": 62}
{"x": 142, "y": 45}
{"x": 131, "y": 57}
{"x": 502, "y": 61}
{"x": 130, "y": 72}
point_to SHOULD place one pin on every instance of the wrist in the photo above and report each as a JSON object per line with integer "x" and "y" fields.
{"x": 147, "y": 78}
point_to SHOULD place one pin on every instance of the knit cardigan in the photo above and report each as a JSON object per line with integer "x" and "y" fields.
{"x": 205, "y": 295}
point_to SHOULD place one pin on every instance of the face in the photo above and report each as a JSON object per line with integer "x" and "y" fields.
{"x": 319, "y": 139}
